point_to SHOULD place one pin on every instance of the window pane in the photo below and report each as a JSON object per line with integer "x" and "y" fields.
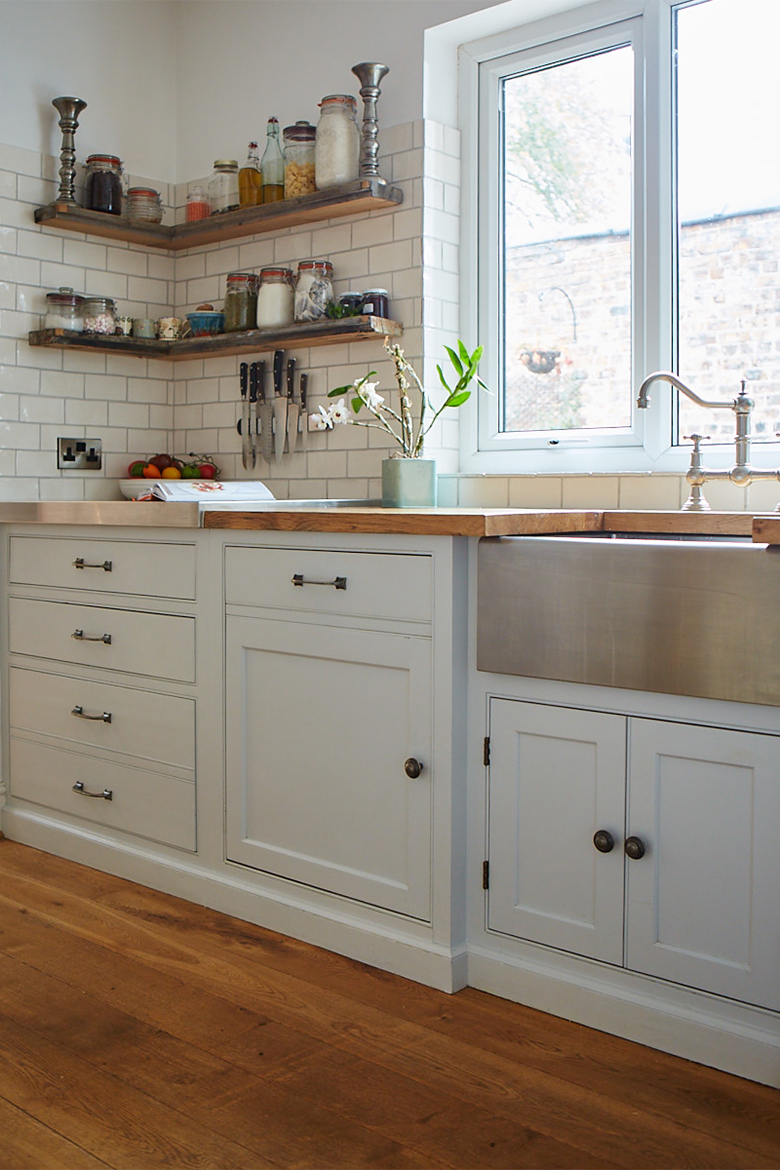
{"x": 729, "y": 210}
{"x": 567, "y": 215}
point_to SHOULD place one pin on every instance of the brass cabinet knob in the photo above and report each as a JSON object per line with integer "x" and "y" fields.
{"x": 634, "y": 848}
{"x": 413, "y": 768}
{"x": 604, "y": 841}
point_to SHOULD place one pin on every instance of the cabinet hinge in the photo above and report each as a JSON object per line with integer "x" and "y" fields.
{"x": 485, "y": 875}
{"x": 486, "y": 751}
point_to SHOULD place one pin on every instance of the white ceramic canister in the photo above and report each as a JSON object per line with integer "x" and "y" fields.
{"x": 337, "y": 145}
{"x": 275, "y": 298}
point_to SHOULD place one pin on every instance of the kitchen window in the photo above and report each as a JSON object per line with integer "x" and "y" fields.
{"x": 621, "y": 204}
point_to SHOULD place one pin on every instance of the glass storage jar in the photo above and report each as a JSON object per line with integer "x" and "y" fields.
{"x": 240, "y": 302}
{"x": 223, "y": 186}
{"x": 299, "y": 159}
{"x": 376, "y": 303}
{"x": 313, "y": 289}
{"x": 99, "y": 315}
{"x": 197, "y": 205}
{"x": 337, "y": 147}
{"x": 144, "y": 205}
{"x": 275, "y": 298}
{"x": 103, "y": 187}
{"x": 63, "y": 311}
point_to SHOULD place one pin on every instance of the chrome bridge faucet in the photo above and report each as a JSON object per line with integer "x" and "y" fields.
{"x": 741, "y": 474}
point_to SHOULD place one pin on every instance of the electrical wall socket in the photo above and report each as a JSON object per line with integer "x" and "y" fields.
{"x": 80, "y": 454}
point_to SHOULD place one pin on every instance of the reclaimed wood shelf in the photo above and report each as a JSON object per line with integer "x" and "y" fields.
{"x": 301, "y": 336}
{"x": 372, "y": 194}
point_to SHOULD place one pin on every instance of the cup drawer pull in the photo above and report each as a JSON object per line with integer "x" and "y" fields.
{"x": 106, "y": 794}
{"x": 80, "y": 563}
{"x": 337, "y": 582}
{"x": 80, "y": 713}
{"x": 80, "y": 636}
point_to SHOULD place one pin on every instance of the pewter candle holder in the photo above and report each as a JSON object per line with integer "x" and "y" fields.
{"x": 69, "y": 109}
{"x": 369, "y": 74}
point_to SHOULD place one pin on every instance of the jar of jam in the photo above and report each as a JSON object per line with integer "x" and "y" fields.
{"x": 240, "y": 302}
{"x": 313, "y": 289}
{"x": 144, "y": 205}
{"x": 376, "y": 303}
{"x": 299, "y": 160}
{"x": 103, "y": 185}
{"x": 63, "y": 311}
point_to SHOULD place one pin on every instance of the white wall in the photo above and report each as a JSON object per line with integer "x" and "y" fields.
{"x": 119, "y": 57}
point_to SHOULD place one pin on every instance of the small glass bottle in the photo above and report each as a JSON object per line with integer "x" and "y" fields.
{"x": 299, "y": 159}
{"x": 275, "y": 298}
{"x": 144, "y": 205}
{"x": 103, "y": 187}
{"x": 250, "y": 179}
{"x": 240, "y": 302}
{"x": 337, "y": 149}
{"x": 63, "y": 311}
{"x": 99, "y": 315}
{"x": 223, "y": 186}
{"x": 197, "y": 205}
{"x": 272, "y": 165}
{"x": 313, "y": 289}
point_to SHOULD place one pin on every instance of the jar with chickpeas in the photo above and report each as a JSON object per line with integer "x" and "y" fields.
{"x": 299, "y": 159}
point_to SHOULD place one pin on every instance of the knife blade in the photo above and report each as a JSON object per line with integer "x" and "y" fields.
{"x": 253, "y": 412}
{"x": 280, "y": 406}
{"x": 266, "y": 415}
{"x": 293, "y": 407}
{"x": 245, "y": 438}
{"x": 304, "y": 392}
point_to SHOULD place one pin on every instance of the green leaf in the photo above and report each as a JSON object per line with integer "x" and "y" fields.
{"x": 443, "y": 380}
{"x": 454, "y": 359}
{"x": 464, "y": 353}
{"x": 476, "y": 357}
{"x": 357, "y": 402}
{"x": 458, "y": 399}
{"x": 341, "y": 390}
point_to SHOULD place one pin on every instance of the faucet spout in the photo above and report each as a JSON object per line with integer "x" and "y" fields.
{"x": 673, "y": 380}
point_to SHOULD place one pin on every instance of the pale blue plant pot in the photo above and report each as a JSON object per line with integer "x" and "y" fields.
{"x": 408, "y": 483}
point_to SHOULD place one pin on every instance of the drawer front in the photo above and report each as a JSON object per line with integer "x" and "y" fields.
{"x": 96, "y": 714}
{"x": 158, "y": 645}
{"x": 104, "y": 566}
{"x": 396, "y": 586}
{"x": 144, "y": 803}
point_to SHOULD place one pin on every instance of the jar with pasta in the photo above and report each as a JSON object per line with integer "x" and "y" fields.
{"x": 299, "y": 159}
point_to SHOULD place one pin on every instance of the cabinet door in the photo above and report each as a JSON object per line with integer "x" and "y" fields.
{"x": 556, "y": 777}
{"x": 704, "y": 900}
{"x": 320, "y": 721}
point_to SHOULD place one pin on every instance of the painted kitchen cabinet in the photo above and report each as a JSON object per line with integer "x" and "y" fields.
{"x": 691, "y": 814}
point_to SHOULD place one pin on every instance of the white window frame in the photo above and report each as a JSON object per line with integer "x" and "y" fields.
{"x": 647, "y": 444}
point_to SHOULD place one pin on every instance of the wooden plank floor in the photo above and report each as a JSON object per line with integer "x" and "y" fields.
{"x": 138, "y": 1030}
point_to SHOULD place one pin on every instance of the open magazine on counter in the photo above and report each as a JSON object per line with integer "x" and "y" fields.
{"x": 204, "y": 490}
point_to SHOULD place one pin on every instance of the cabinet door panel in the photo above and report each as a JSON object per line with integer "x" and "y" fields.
{"x": 703, "y": 902}
{"x": 319, "y": 725}
{"x": 556, "y": 776}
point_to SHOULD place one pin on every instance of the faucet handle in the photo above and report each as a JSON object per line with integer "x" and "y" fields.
{"x": 696, "y": 440}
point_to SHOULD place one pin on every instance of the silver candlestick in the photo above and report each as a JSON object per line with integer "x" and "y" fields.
{"x": 369, "y": 74}
{"x": 68, "y": 109}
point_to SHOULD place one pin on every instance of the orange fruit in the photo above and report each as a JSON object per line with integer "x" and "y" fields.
{"x": 151, "y": 472}
{"x": 171, "y": 473}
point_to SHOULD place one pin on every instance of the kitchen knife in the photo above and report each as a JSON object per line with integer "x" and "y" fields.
{"x": 304, "y": 393}
{"x": 293, "y": 407}
{"x": 245, "y": 437}
{"x": 280, "y": 406}
{"x": 253, "y": 412}
{"x": 266, "y": 415}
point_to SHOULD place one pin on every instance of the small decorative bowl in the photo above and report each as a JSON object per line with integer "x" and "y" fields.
{"x": 131, "y": 489}
{"x": 204, "y": 323}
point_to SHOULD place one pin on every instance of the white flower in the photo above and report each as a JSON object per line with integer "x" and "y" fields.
{"x": 369, "y": 395}
{"x": 339, "y": 413}
{"x": 321, "y": 421}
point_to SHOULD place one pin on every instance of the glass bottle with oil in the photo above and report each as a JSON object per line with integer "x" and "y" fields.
{"x": 272, "y": 165}
{"x": 250, "y": 179}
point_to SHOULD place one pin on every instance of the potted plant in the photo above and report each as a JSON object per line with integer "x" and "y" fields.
{"x": 408, "y": 479}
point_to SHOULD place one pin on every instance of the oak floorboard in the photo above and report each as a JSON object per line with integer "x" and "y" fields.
{"x": 179, "y": 940}
{"x": 26, "y": 1142}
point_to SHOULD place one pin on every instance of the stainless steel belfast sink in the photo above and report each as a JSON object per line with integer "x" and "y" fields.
{"x": 687, "y": 616}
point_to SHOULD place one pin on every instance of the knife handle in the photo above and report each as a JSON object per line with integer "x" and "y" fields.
{"x": 260, "y": 380}
{"x": 253, "y": 372}
{"x": 243, "y": 376}
{"x": 278, "y": 363}
{"x": 304, "y": 391}
{"x": 291, "y": 363}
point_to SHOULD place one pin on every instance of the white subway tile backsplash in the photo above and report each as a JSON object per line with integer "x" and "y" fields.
{"x": 39, "y": 246}
{"x": 126, "y": 261}
{"x": 86, "y": 413}
{"x": 76, "y": 251}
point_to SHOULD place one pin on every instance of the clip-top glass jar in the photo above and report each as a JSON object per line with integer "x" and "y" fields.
{"x": 240, "y": 301}
{"x": 275, "y": 298}
{"x": 299, "y": 159}
{"x": 313, "y": 289}
{"x": 197, "y": 205}
{"x": 63, "y": 311}
{"x": 337, "y": 148}
{"x": 144, "y": 205}
{"x": 99, "y": 315}
{"x": 103, "y": 186}
{"x": 223, "y": 186}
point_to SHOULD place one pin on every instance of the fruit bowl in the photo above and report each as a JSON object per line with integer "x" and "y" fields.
{"x": 131, "y": 489}
{"x": 203, "y": 323}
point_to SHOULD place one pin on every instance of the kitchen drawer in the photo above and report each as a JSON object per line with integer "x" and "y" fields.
{"x": 397, "y": 586}
{"x": 145, "y": 803}
{"x": 131, "y": 566}
{"x": 97, "y": 714}
{"x": 159, "y": 645}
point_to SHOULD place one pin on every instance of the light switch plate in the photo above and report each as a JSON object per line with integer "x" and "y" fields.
{"x": 80, "y": 454}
